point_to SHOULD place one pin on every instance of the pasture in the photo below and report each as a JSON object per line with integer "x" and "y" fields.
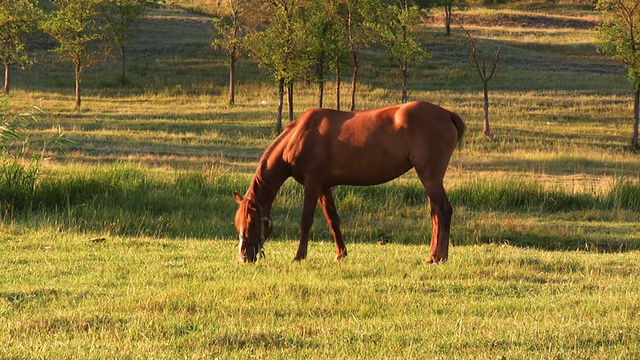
{"x": 125, "y": 247}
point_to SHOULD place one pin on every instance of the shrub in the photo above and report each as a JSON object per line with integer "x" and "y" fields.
{"x": 19, "y": 158}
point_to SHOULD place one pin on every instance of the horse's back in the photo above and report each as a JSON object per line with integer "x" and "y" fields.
{"x": 431, "y": 124}
{"x": 368, "y": 147}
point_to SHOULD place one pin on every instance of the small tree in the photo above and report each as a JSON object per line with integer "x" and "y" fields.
{"x": 229, "y": 35}
{"x": 74, "y": 25}
{"x": 120, "y": 15}
{"x": 17, "y": 20}
{"x": 355, "y": 14}
{"x": 481, "y": 65}
{"x": 326, "y": 43}
{"x": 619, "y": 38}
{"x": 395, "y": 28}
{"x": 280, "y": 47}
{"x": 448, "y": 6}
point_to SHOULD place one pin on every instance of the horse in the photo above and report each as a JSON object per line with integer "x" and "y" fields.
{"x": 324, "y": 148}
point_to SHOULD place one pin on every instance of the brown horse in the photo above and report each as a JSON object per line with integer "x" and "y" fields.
{"x": 324, "y": 148}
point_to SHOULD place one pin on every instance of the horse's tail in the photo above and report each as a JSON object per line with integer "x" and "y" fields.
{"x": 459, "y": 124}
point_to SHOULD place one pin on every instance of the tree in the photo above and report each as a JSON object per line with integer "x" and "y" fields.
{"x": 279, "y": 47}
{"x": 481, "y": 66}
{"x": 396, "y": 29}
{"x": 120, "y": 15}
{"x": 17, "y": 20}
{"x": 447, "y": 5}
{"x": 355, "y": 17}
{"x": 326, "y": 42}
{"x": 74, "y": 25}
{"x": 229, "y": 35}
{"x": 619, "y": 38}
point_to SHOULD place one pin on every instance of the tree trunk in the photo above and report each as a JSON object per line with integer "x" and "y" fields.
{"x": 78, "y": 98}
{"x": 354, "y": 56}
{"x": 320, "y": 75}
{"x": 447, "y": 18}
{"x": 280, "y": 102}
{"x": 354, "y": 78}
{"x": 124, "y": 66}
{"x": 6, "y": 78}
{"x": 485, "y": 128}
{"x": 338, "y": 87}
{"x": 232, "y": 79}
{"x": 290, "y": 100}
{"x": 636, "y": 113}
{"x": 404, "y": 83}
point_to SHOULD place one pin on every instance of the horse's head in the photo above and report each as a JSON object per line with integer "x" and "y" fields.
{"x": 253, "y": 228}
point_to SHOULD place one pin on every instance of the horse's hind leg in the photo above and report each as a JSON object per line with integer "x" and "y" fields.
{"x": 331, "y": 214}
{"x": 441, "y": 212}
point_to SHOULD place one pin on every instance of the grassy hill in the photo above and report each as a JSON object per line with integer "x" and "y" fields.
{"x": 545, "y": 229}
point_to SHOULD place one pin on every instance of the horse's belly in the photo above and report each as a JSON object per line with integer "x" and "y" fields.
{"x": 368, "y": 172}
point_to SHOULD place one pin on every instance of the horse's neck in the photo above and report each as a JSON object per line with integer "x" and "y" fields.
{"x": 265, "y": 185}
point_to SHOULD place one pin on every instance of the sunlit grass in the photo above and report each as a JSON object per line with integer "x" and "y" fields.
{"x": 140, "y": 297}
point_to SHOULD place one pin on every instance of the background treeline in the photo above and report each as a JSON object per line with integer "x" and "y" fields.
{"x": 292, "y": 40}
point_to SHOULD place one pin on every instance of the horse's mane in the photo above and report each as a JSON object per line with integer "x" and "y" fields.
{"x": 262, "y": 164}
{"x": 283, "y": 135}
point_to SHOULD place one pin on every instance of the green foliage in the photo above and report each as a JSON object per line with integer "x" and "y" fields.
{"x": 230, "y": 29}
{"x": 17, "y": 20}
{"x": 120, "y": 16}
{"x": 395, "y": 28}
{"x": 327, "y": 42}
{"x": 75, "y": 25}
{"x": 279, "y": 47}
{"x": 619, "y": 34}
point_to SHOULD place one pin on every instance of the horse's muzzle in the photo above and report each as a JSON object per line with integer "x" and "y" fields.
{"x": 248, "y": 255}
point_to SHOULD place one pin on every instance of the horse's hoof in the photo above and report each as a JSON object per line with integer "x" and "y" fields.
{"x": 299, "y": 258}
{"x": 341, "y": 255}
{"x": 434, "y": 261}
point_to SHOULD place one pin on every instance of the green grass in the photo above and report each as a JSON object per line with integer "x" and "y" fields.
{"x": 62, "y": 296}
{"x": 545, "y": 230}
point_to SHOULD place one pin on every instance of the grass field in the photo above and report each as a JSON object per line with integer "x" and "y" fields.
{"x": 545, "y": 235}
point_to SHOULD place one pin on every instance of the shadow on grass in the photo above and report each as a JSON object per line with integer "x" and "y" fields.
{"x": 260, "y": 340}
{"x": 126, "y": 200}
{"x": 558, "y": 243}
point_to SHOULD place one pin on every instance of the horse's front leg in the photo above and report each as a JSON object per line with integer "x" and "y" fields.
{"x": 308, "y": 209}
{"x": 331, "y": 214}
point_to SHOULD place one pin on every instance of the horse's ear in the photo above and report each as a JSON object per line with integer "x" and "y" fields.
{"x": 238, "y": 197}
